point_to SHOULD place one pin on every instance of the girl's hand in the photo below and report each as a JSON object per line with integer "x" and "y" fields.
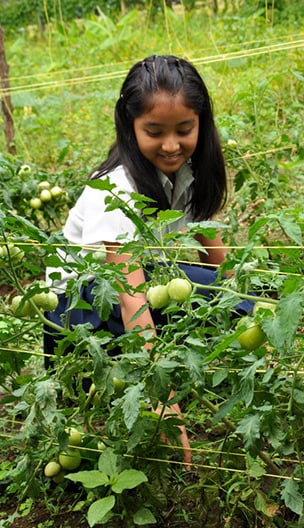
{"x": 175, "y": 409}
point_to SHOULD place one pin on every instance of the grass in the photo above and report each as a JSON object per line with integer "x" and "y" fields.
{"x": 65, "y": 86}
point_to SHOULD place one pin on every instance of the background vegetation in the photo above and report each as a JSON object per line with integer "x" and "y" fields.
{"x": 243, "y": 410}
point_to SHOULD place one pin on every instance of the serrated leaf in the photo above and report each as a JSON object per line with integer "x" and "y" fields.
{"x": 247, "y": 381}
{"x": 291, "y": 228}
{"x": 89, "y": 479}
{"x": 249, "y": 427}
{"x": 128, "y": 479}
{"x": 256, "y": 470}
{"x": 169, "y": 216}
{"x": 105, "y": 296}
{"x": 292, "y": 497}
{"x": 193, "y": 362}
{"x": 143, "y": 516}
{"x": 281, "y": 329}
{"x": 226, "y": 407}
{"x": 101, "y": 184}
{"x": 100, "y": 509}
{"x": 131, "y": 404}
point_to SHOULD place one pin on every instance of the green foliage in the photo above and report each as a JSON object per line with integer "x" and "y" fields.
{"x": 243, "y": 409}
{"x": 255, "y": 395}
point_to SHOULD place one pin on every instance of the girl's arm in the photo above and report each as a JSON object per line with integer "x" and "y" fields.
{"x": 216, "y": 251}
{"x": 129, "y": 305}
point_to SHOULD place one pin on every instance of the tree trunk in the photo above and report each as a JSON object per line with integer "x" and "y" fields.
{"x": 6, "y": 104}
{"x": 123, "y": 7}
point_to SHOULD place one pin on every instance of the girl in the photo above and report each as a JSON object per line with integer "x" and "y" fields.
{"x": 167, "y": 148}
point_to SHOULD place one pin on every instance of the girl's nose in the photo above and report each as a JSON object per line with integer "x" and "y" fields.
{"x": 170, "y": 144}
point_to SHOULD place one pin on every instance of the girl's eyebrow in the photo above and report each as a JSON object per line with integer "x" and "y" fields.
{"x": 154, "y": 124}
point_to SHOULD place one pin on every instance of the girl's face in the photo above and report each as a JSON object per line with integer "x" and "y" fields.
{"x": 167, "y": 133}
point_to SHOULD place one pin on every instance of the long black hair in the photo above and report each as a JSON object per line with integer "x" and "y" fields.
{"x": 172, "y": 75}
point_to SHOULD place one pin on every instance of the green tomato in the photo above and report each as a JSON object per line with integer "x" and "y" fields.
{"x": 253, "y": 337}
{"x": 70, "y": 460}
{"x": 52, "y": 469}
{"x": 100, "y": 254}
{"x": 58, "y": 479}
{"x": 44, "y": 185}
{"x": 75, "y": 436}
{"x": 35, "y": 203}
{"x": 47, "y": 301}
{"x": 264, "y": 306}
{"x": 119, "y": 385}
{"x": 13, "y": 251}
{"x": 157, "y": 296}
{"x": 56, "y": 191}
{"x": 179, "y": 289}
{"x": 23, "y": 311}
{"x": 24, "y": 169}
{"x": 45, "y": 195}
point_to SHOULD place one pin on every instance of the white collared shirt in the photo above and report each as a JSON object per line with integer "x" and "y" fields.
{"x": 89, "y": 223}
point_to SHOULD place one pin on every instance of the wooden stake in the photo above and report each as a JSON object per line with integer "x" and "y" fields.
{"x": 6, "y": 103}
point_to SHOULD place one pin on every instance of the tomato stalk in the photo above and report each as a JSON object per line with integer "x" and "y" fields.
{"x": 214, "y": 409}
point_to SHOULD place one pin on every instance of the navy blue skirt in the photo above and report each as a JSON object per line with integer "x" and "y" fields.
{"x": 197, "y": 274}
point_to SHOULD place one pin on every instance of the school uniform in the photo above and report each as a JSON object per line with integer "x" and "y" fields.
{"x": 89, "y": 223}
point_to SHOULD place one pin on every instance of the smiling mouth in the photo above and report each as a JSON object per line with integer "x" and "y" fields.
{"x": 171, "y": 157}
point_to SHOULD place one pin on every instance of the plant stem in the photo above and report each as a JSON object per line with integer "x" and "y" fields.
{"x": 214, "y": 409}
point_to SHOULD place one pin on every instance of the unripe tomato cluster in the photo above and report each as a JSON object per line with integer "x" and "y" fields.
{"x": 47, "y": 193}
{"x": 177, "y": 290}
{"x": 45, "y": 301}
{"x": 10, "y": 251}
{"x": 68, "y": 460}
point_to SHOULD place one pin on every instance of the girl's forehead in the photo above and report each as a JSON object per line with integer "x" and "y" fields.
{"x": 163, "y": 97}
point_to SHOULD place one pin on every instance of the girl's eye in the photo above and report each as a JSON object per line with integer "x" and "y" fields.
{"x": 153, "y": 134}
{"x": 185, "y": 132}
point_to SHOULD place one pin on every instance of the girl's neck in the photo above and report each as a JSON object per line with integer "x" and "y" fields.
{"x": 171, "y": 177}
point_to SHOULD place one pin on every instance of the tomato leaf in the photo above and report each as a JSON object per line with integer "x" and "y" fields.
{"x": 131, "y": 404}
{"x": 105, "y": 297}
{"x": 281, "y": 329}
{"x": 292, "y": 496}
{"x": 249, "y": 427}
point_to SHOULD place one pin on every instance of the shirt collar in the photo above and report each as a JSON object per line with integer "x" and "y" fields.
{"x": 183, "y": 180}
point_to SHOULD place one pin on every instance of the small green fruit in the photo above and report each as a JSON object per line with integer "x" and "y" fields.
{"x": 45, "y": 195}
{"x": 47, "y": 301}
{"x": 264, "y": 306}
{"x": 179, "y": 289}
{"x": 70, "y": 460}
{"x": 35, "y": 203}
{"x": 24, "y": 170}
{"x": 119, "y": 385}
{"x": 100, "y": 255}
{"x": 21, "y": 311}
{"x": 44, "y": 185}
{"x": 157, "y": 296}
{"x": 75, "y": 436}
{"x": 52, "y": 469}
{"x": 253, "y": 337}
{"x": 56, "y": 191}
{"x": 58, "y": 479}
